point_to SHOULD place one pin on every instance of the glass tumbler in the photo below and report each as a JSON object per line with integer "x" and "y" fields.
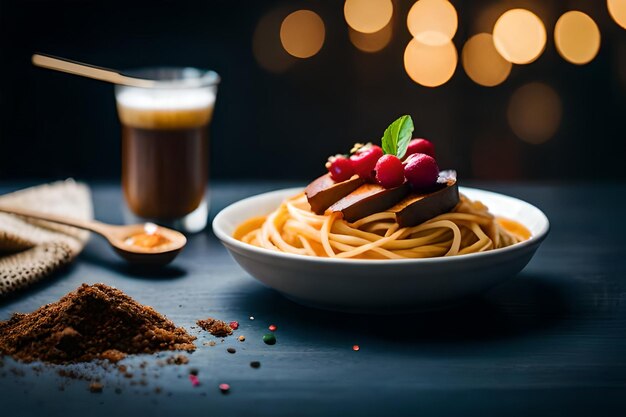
{"x": 165, "y": 146}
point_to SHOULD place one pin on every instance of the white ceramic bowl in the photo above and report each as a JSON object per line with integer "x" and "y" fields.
{"x": 381, "y": 286}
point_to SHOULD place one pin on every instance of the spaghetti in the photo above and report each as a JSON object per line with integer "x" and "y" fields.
{"x": 294, "y": 228}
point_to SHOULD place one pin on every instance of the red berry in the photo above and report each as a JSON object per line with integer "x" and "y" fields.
{"x": 420, "y": 146}
{"x": 421, "y": 171}
{"x": 364, "y": 160}
{"x": 340, "y": 168}
{"x": 389, "y": 171}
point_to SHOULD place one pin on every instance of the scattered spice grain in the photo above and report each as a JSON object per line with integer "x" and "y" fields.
{"x": 95, "y": 387}
{"x": 177, "y": 360}
{"x": 269, "y": 339}
{"x": 194, "y": 380}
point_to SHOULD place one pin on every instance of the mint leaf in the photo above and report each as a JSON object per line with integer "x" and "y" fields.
{"x": 405, "y": 134}
{"x": 397, "y": 136}
{"x": 389, "y": 141}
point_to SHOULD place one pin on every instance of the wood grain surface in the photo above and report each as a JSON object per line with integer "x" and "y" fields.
{"x": 552, "y": 341}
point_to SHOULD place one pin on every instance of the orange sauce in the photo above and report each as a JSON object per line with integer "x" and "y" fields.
{"x": 147, "y": 240}
{"x": 514, "y": 228}
{"x": 248, "y": 226}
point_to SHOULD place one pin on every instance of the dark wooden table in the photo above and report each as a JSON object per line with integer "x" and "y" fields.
{"x": 550, "y": 342}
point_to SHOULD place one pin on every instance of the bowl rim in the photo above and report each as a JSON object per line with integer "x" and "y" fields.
{"x": 227, "y": 239}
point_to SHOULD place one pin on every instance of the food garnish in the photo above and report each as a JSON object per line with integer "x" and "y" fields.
{"x": 384, "y": 165}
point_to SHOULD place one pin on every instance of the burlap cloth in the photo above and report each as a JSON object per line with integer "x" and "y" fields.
{"x": 31, "y": 249}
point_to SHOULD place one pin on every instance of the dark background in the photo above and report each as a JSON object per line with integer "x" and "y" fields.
{"x": 284, "y": 125}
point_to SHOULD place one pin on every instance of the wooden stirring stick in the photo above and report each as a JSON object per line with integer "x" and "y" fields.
{"x": 90, "y": 71}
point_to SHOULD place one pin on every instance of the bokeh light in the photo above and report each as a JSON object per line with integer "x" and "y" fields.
{"x": 302, "y": 33}
{"x": 617, "y": 10}
{"x": 266, "y": 45}
{"x": 432, "y": 22}
{"x": 430, "y": 65}
{"x": 368, "y": 16}
{"x": 482, "y": 63}
{"x": 519, "y": 36}
{"x": 577, "y": 37}
{"x": 484, "y": 17}
{"x": 535, "y": 112}
{"x": 371, "y": 42}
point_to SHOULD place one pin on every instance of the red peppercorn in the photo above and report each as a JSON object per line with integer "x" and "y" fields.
{"x": 234, "y": 325}
{"x": 389, "y": 171}
{"x": 420, "y": 146}
{"x": 364, "y": 160}
{"x": 272, "y": 327}
{"x": 356, "y": 348}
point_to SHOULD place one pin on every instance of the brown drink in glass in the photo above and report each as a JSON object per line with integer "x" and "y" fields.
{"x": 164, "y": 146}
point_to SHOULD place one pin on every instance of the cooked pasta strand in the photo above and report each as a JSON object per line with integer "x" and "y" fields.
{"x": 294, "y": 228}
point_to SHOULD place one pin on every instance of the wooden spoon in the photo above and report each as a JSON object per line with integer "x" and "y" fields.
{"x": 121, "y": 238}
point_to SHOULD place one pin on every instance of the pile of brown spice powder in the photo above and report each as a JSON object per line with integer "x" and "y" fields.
{"x": 92, "y": 322}
{"x": 216, "y": 327}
